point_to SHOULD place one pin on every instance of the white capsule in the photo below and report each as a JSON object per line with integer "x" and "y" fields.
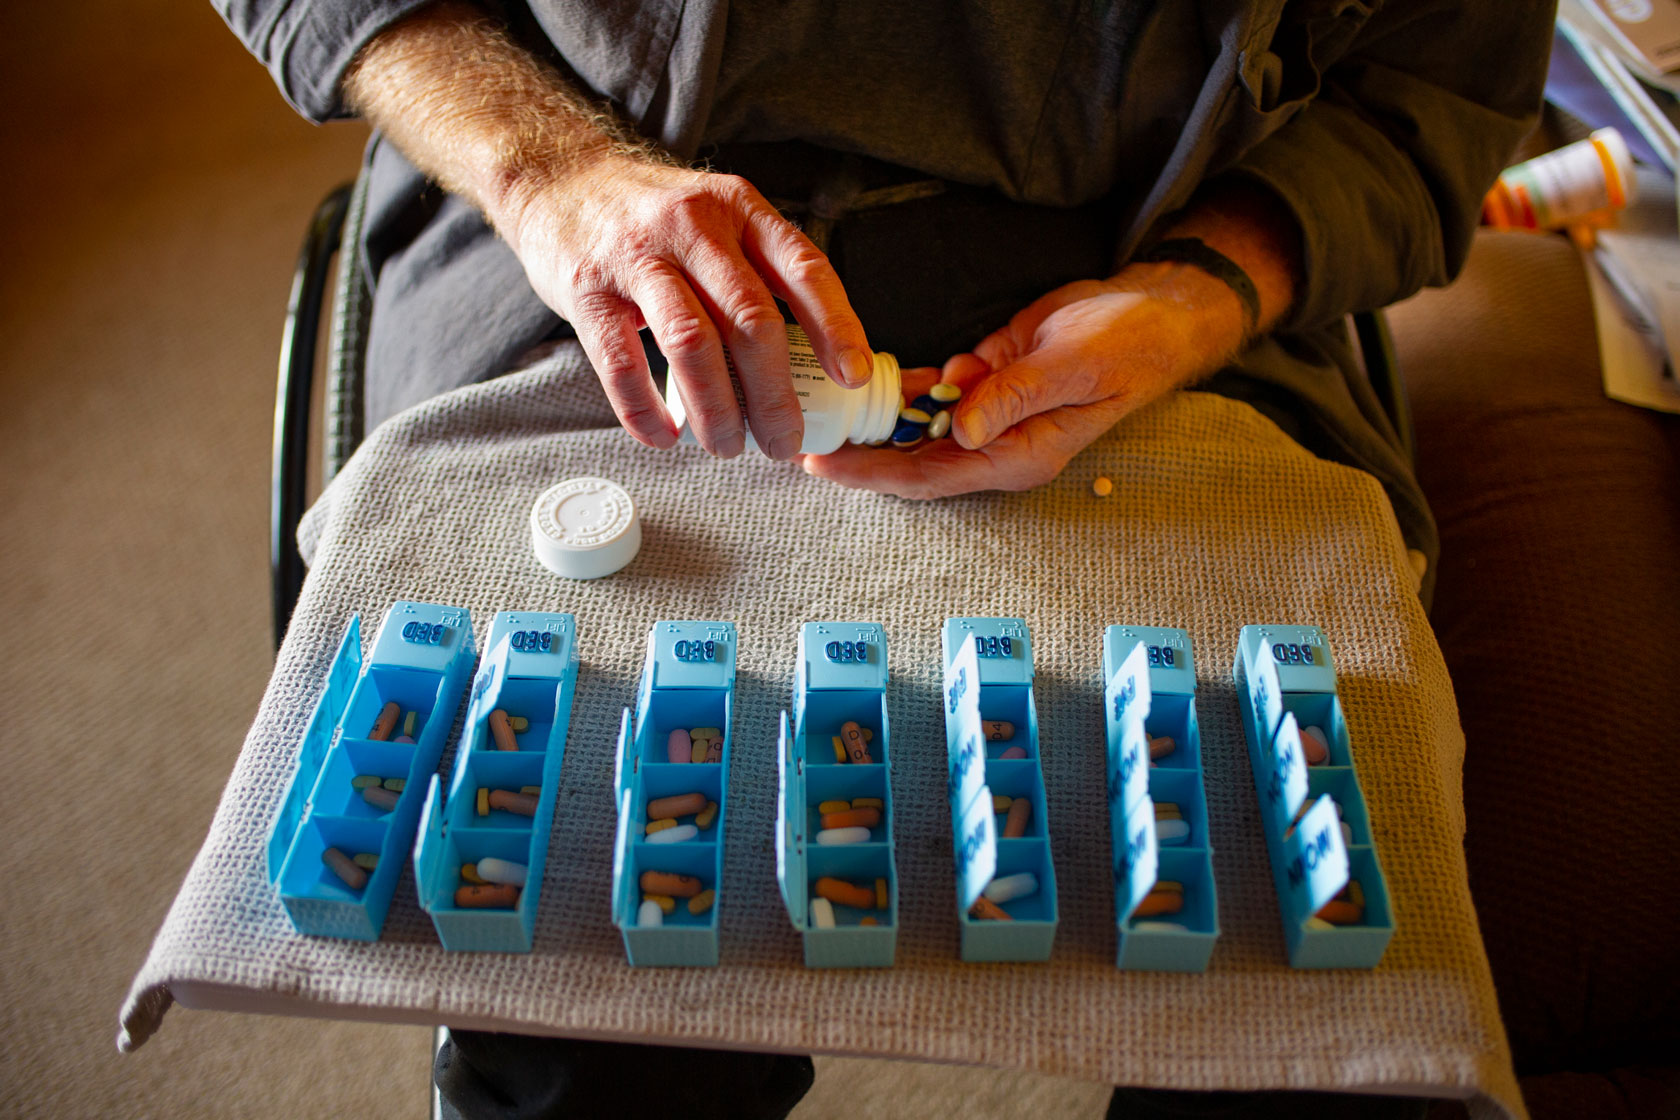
{"x": 493, "y": 870}
{"x": 1147, "y": 926}
{"x": 673, "y": 835}
{"x": 650, "y": 915}
{"x": 1010, "y": 887}
{"x": 1172, "y": 831}
{"x": 855, "y": 835}
{"x": 822, "y": 913}
{"x": 939, "y": 425}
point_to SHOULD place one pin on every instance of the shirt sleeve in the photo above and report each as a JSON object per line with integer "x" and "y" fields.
{"x": 1385, "y": 169}
{"x": 308, "y": 44}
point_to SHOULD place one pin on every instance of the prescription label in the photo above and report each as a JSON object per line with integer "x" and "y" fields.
{"x": 975, "y": 841}
{"x": 1315, "y": 861}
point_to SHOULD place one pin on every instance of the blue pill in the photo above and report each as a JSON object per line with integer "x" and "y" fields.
{"x": 907, "y": 435}
{"x": 926, "y": 404}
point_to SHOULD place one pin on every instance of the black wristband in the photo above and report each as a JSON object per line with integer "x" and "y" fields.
{"x": 1197, "y": 254}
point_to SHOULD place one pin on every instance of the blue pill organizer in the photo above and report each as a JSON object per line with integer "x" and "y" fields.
{"x": 1150, "y": 676}
{"x": 989, "y": 680}
{"x": 530, "y": 673}
{"x": 840, "y": 679}
{"x": 422, "y": 657}
{"x": 1318, "y": 833}
{"x": 688, "y": 682}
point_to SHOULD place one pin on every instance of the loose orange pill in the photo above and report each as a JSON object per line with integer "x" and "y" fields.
{"x": 998, "y": 730}
{"x": 474, "y": 896}
{"x": 988, "y": 910}
{"x": 666, "y": 882}
{"x": 522, "y": 803}
{"x": 678, "y": 805}
{"x": 857, "y": 748}
{"x": 502, "y": 731}
{"x": 345, "y": 868}
{"x": 852, "y": 818}
{"x": 387, "y": 721}
{"x": 1020, "y": 812}
{"x": 846, "y": 894}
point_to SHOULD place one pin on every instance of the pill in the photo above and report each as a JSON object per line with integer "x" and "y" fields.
{"x": 674, "y": 835}
{"x": 831, "y": 836}
{"x": 659, "y": 825}
{"x": 1006, "y": 888}
{"x": 852, "y": 818}
{"x": 1161, "y": 746}
{"x": 1347, "y": 834}
{"x": 666, "y": 882}
{"x": 839, "y": 750}
{"x": 1102, "y": 487}
{"x": 664, "y": 901}
{"x": 868, "y": 803}
{"x": 706, "y": 816}
{"x": 1315, "y": 746}
{"x": 522, "y": 803}
{"x": 493, "y": 870}
{"x": 846, "y": 894}
{"x": 987, "y": 910}
{"x": 1356, "y": 892}
{"x": 368, "y": 860}
{"x": 483, "y": 801}
{"x": 907, "y": 435}
{"x": 532, "y": 790}
{"x": 1162, "y": 899}
{"x": 940, "y": 426}
{"x": 501, "y": 732}
{"x": 880, "y": 894}
{"x": 678, "y": 746}
{"x": 1159, "y": 927}
{"x": 702, "y": 902}
{"x": 395, "y": 785}
{"x": 697, "y": 753}
{"x": 944, "y": 392}
{"x": 1000, "y": 803}
{"x": 1014, "y": 752}
{"x": 852, "y": 736}
{"x": 677, "y": 805}
{"x": 1165, "y": 810}
{"x": 381, "y": 798}
{"x": 925, "y": 403}
{"x": 1340, "y": 913}
{"x": 649, "y": 916}
{"x": 408, "y": 722}
{"x": 387, "y": 721}
{"x": 868, "y": 920}
{"x": 1172, "y": 830}
{"x": 491, "y": 896}
{"x": 707, "y": 733}
{"x": 868, "y": 735}
{"x": 834, "y": 806}
{"x": 914, "y": 416}
{"x": 822, "y": 913}
{"x": 519, "y": 724}
{"x": 363, "y": 781}
{"x": 997, "y": 730}
{"x": 345, "y": 868}
{"x": 1020, "y": 812}
{"x": 403, "y": 739}
{"x": 1318, "y": 923}
{"x": 469, "y": 872}
{"x": 714, "y": 751}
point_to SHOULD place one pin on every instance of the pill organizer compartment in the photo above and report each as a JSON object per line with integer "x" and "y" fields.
{"x": 989, "y": 676}
{"x": 422, "y": 656}
{"x": 530, "y": 671}
{"x": 688, "y": 681}
{"x": 1150, "y": 686}
{"x": 1285, "y": 678}
{"x": 840, "y": 675}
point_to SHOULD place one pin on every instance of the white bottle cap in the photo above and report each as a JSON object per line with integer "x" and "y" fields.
{"x": 585, "y": 528}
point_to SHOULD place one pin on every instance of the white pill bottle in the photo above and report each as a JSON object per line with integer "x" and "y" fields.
{"x": 833, "y": 413}
{"x": 1586, "y": 182}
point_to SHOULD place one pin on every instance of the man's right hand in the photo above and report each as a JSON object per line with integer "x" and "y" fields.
{"x": 613, "y": 238}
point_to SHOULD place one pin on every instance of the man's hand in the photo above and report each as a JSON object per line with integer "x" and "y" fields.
{"x": 612, "y": 235}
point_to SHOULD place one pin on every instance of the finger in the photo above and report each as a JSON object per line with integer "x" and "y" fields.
{"x": 745, "y": 313}
{"x": 685, "y": 335}
{"x": 915, "y": 382}
{"x": 1065, "y": 373}
{"x": 607, "y": 328}
{"x": 963, "y": 370}
{"x": 799, "y": 273}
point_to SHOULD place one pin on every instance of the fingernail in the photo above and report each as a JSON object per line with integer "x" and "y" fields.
{"x": 856, "y": 366}
{"x": 731, "y": 445}
{"x": 785, "y": 445}
{"x": 968, "y": 427}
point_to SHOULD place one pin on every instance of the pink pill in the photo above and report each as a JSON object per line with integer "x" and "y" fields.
{"x": 1315, "y": 746}
{"x": 679, "y": 746}
{"x": 1014, "y": 752}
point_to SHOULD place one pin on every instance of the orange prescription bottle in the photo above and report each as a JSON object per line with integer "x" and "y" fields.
{"x": 1584, "y": 182}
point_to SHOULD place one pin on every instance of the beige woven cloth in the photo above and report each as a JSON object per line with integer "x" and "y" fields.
{"x": 1217, "y": 520}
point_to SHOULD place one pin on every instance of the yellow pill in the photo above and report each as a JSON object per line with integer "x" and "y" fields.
{"x": 1167, "y": 809}
{"x": 659, "y": 825}
{"x": 698, "y": 752}
{"x": 408, "y": 722}
{"x": 880, "y": 894}
{"x": 944, "y": 392}
{"x": 535, "y": 791}
{"x": 705, "y": 733}
{"x": 664, "y": 901}
{"x": 395, "y": 785}
{"x": 833, "y": 807}
{"x": 469, "y": 872}
{"x": 704, "y": 818}
{"x": 369, "y": 860}
{"x": 868, "y": 803}
{"x": 1000, "y": 803}
{"x": 519, "y": 723}
{"x": 702, "y": 902}
{"x": 1102, "y": 487}
{"x": 1356, "y": 892}
{"x": 914, "y": 415}
{"x": 483, "y": 801}
{"x": 868, "y": 920}
{"x": 868, "y": 735}
{"x": 365, "y": 781}
{"x": 839, "y": 750}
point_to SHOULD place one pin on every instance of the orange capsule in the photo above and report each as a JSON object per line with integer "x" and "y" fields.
{"x": 669, "y": 883}
{"x": 1161, "y": 746}
{"x": 846, "y": 894}
{"x": 988, "y": 910}
{"x": 387, "y": 721}
{"x": 345, "y": 868}
{"x": 522, "y": 803}
{"x": 502, "y": 731}
{"x": 1340, "y": 913}
{"x": 495, "y": 896}
{"x": 1020, "y": 812}
{"x": 852, "y": 818}
{"x": 857, "y": 749}
{"x": 998, "y": 730}
{"x": 1165, "y": 898}
{"x": 381, "y": 798}
{"x": 678, "y": 805}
